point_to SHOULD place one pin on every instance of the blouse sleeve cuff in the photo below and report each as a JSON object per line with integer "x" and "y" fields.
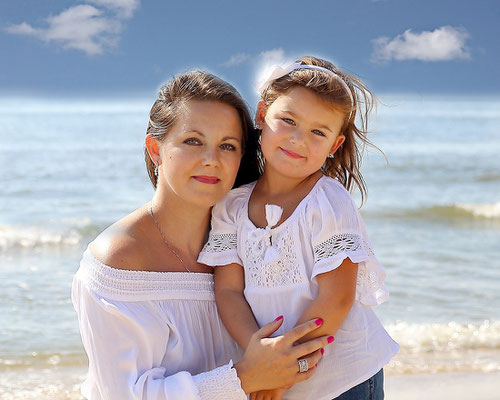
{"x": 370, "y": 288}
{"x": 220, "y": 249}
{"x": 220, "y": 383}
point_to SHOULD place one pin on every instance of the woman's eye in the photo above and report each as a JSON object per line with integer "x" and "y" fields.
{"x": 288, "y": 121}
{"x": 319, "y": 133}
{"x": 228, "y": 147}
{"x": 193, "y": 141}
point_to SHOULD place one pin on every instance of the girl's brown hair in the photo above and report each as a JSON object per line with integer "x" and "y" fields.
{"x": 200, "y": 85}
{"x": 345, "y": 166}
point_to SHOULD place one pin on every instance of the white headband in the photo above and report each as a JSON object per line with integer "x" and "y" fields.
{"x": 279, "y": 71}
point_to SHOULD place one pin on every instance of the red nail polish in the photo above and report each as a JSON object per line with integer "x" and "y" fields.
{"x": 280, "y": 317}
{"x": 330, "y": 339}
{"x": 322, "y": 351}
{"x": 319, "y": 321}
{"x": 315, "y": 365}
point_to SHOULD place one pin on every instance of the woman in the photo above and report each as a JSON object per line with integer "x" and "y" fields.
{"x": 146, "y": 308}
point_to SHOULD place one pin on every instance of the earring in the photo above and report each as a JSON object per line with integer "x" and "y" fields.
{"x": 331, "y": 155}
{"x": 156, "y": 171}
{"x": 257, "y": 126}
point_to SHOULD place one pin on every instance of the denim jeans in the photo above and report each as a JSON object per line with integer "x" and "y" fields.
{"x": 371, "y": 389}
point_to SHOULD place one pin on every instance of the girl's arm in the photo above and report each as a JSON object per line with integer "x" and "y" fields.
{"x": 337, "y": 290}
{"x": 232, "y": 305}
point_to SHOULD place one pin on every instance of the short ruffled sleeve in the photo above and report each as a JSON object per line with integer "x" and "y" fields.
{"x": 221, "y": 247}
{"x": 338, "y": 232}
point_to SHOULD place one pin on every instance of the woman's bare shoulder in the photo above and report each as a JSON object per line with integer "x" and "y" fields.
{"x": 123, "y": 245}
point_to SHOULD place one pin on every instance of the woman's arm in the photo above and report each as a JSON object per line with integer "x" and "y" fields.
{"x": 336, "y": 293}
{"x": 232, "y": 305}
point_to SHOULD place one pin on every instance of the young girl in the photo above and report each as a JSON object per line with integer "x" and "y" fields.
{"x": 294, "y": 244}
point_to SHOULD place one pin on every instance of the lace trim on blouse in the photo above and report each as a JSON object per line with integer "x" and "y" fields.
{"x": 370, "y": 289}
{"x": 217, "y": 243}
{"x": 340, "y": 243}
{"x": 220, "y": 383}
{"x": 127, "y": 285}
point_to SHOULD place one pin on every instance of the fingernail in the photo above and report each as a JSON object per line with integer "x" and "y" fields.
{"x": 315, "y": 365}
{"x": 280, "y": 317}
{"x": 319, "y": 321}
{"x": 330, "y": 339}
{"x": 322, "y": 351}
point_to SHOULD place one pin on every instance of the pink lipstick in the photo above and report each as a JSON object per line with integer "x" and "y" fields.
{"x": 212, "y": 180}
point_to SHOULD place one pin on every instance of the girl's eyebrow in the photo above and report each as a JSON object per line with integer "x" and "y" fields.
{"x": 319, "y": 125}
{"x": 203, "y": 135}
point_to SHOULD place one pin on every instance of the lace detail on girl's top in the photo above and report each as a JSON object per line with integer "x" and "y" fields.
{"x": 280, "y": 272}
{"x": 217, "y": 243}
{"x": 259, "y": 236}
{"x": 339, "y": 243}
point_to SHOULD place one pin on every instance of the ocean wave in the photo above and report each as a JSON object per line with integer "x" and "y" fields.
{"x": 38, "y": 236}
{"x": 452, "y": 336}
{"x": 448, "y": 347}
{"x": 456, "y": 211}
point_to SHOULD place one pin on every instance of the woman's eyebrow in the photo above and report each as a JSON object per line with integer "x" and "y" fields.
{"x": 203, "y": 135}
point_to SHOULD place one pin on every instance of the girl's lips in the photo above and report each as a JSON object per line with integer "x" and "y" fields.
{"x": 291, "y": 153}
{"x": 207, "y": 179}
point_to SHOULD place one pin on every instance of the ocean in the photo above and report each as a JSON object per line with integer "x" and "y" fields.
{"x": 69, "y": 168}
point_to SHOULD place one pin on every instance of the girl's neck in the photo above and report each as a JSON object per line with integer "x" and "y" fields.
{"x": 274, "y": 184}
{"x": 185, "y": 225}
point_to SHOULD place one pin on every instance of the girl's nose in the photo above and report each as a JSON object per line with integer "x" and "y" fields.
{"x": 297, "y": 137}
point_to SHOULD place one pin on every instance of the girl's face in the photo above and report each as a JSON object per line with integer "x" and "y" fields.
{"x": 201, "y": 153}
{"x": 299, "y": 130}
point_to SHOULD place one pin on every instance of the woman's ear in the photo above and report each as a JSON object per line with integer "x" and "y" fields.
{"x": 153, "y": 149}
{"x": 337, "y": 143}
{"x": 260, "y": 114}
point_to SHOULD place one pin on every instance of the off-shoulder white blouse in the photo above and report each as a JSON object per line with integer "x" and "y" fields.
{"x": 281, "y": 264}
{"x": 152, "y": 335}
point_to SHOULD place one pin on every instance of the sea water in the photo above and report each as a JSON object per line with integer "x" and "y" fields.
{"x": 69, "y": 168}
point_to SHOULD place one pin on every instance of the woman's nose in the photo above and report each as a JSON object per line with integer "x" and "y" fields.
{"x": 211, "y": 157}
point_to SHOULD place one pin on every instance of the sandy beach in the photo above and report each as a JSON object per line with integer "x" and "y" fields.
{"x": 444, "y": 386}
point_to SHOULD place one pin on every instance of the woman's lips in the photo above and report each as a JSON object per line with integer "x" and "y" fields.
{"x": 212, "y": 180}
{"x": 291, "y": 154}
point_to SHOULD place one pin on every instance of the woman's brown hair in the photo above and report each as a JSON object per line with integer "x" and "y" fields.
{"x": 200, "y": 85}
{"x": 345, "y": 165}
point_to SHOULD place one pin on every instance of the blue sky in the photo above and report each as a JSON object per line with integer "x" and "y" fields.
{"x": 129, "y": 47}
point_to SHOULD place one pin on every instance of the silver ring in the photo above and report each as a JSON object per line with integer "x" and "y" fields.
{"x": 303, "y": 365}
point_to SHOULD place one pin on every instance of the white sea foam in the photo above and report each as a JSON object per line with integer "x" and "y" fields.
{"x": 481, "y": 210}
{"x": 446, "y": 347}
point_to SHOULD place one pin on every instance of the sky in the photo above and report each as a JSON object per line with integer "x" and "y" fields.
{"x": 115, "y": 48}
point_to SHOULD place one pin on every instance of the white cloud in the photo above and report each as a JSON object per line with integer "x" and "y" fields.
{"x": 83, "y": 27}
{"x": 237, "y": 59}
{"x": 124, "y": 8}
{"x": 274, "y": 56}
{"x": 443, "y": 44}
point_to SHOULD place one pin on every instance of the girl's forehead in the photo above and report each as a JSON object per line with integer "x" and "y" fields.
{"x": 304, "y": 103}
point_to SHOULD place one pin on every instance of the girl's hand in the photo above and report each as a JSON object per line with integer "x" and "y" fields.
{"x": 274, "y": 394}
{"x": 270, "y": 363}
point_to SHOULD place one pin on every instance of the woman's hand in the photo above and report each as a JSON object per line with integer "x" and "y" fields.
{"x": 270, "y": 363}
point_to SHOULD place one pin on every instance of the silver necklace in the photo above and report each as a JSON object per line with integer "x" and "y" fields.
{"x": 165, "y": 240}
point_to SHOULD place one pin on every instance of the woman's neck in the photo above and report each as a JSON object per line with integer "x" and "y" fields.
{"x": 184, "y": 224}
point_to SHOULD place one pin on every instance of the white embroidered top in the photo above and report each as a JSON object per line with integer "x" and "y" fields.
{"x": 152, "y": 335}
{"x": 281, "y": 264}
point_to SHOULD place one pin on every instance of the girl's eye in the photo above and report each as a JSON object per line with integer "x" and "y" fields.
{"x": 319, "y": 133}
{"x": 228, "y": 147}
{"x": 288, "y": 121}
{"x": 193, "y": 141}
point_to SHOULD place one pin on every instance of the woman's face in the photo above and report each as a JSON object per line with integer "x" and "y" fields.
{"x": 201, "y": 153}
